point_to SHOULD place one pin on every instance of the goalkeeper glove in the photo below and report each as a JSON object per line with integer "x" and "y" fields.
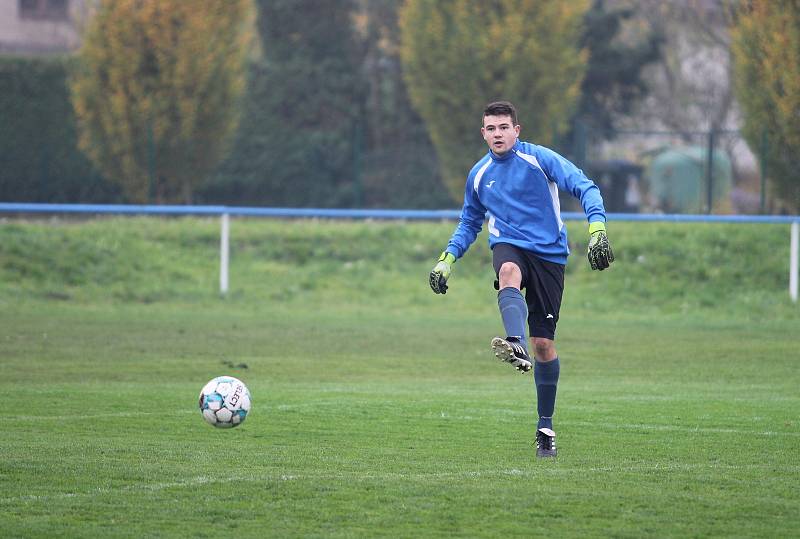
{"x": 441, "y": 272}
{"x": 600, "y": 254}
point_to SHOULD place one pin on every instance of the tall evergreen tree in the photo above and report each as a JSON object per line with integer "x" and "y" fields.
{"x": 301, "y": 135}
{"x": 613, "y": 82}
{"x": 400, "y": 169}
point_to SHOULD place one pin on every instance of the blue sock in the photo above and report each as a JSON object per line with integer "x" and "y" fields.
{"x": 514, "y": 312}
{"x": 545, "y": 374}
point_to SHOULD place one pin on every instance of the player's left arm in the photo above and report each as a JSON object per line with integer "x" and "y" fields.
{"x": 570, "y": 178}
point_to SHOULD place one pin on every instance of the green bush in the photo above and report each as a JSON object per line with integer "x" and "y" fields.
{"x": 39, "y": 158}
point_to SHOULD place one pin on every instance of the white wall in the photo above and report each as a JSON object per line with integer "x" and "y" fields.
{"x": 35, "y": 36}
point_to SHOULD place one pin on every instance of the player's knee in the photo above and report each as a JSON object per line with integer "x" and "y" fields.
{"x": 544, "y": 349}
{"x": 509, "y": 275}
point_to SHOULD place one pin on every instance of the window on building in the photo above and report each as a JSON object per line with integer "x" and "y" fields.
{"x": 51, "y": 10}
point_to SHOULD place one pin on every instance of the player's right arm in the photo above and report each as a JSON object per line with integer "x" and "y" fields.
{"x": 469, "y": 226}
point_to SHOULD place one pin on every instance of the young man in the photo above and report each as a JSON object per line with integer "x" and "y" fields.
{"x": 516, "y": 183}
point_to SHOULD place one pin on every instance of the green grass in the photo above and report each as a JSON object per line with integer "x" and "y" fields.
{"x": 678, "y": 410}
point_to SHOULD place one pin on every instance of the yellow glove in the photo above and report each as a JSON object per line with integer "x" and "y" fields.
{"x": 441, "y": 272}
{"x": 600, "y": 253}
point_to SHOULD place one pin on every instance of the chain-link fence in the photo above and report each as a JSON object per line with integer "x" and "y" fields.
{"x": 645, "y": 171}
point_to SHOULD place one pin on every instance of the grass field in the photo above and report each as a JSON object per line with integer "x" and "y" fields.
{"x": 378, "y": 410}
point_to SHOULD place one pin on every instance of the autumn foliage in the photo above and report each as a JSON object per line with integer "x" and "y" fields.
{"x": 158, "y": 89}
{"x": 460, "y": 54}
{"x": 766, "y": 47}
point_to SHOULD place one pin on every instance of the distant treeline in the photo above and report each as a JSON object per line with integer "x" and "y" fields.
{"x": 268, "y": 166}
{"x": 327, "y": 119}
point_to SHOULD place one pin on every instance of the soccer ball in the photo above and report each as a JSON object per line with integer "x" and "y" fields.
{"x": 225, "y": 402}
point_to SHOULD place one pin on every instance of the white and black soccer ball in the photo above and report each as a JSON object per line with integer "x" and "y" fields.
{"x": 225, "y": 402}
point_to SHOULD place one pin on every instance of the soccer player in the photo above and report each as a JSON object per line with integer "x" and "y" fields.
{"x": 516, "y": 183}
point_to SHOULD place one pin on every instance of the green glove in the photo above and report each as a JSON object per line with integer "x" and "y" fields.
{"x": 600, "y": 254}
{"x": 441, "y": 272}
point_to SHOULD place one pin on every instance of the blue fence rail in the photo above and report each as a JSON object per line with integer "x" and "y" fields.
{"x": 328, "y": 213}
{"x": 431, "y": 215}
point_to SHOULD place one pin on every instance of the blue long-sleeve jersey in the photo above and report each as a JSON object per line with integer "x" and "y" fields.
{"x": 519, "y": 192}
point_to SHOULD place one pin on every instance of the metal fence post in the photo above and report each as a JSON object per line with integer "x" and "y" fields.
{"x": 710, "y": 172}
{"x": 223, "y": 253}
{"x": 793, "y": 262}
{"x": 762, "y": 162}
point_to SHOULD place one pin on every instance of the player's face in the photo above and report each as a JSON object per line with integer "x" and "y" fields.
{"x": 499, "y": 133}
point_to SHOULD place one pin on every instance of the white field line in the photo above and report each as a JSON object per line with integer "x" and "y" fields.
{"x": 71, "y": 418}
{"x": 393, "y": 476}
{"x": 480, "y": 415}
{"x": 681, "y": 428}
{"x": 477, "y": 414}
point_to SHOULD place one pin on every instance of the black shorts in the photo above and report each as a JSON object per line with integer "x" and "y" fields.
{"x": 543, "y": 282}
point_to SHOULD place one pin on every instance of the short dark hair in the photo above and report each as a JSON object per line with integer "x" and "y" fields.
{"x": 501, "y": 108}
